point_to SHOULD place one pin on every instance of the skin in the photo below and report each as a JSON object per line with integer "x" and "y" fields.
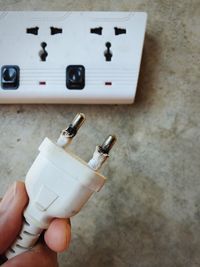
{"x": 44, "y": 254}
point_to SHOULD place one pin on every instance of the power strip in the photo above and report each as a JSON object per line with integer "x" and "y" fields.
{"x": 70, "y": 57}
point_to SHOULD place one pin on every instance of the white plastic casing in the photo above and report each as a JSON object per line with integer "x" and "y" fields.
{"x": 58, "y": 185}
{"x": 106, "y": 82}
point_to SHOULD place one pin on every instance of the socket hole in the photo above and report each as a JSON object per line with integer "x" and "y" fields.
{"x": 33, "y": 30}
{"x": 108, "y": 54}
{"x": 119, "y": 31}
{"x": 43, "y": 53}
{"x": 55, "y": 30}
{"x": 97, "y": 30}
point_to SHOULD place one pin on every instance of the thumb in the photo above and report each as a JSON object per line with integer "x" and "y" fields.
{"x": 11, "y": 214}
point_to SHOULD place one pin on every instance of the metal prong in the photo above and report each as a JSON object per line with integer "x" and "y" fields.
{"x": 101, "y": 153}
{"x": 73, "y": 128}
{"x": 68, "y": 134}
{"x": 108, "y": 144}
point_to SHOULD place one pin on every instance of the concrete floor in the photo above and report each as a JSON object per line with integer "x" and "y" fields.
{"x": 148, "y": 214}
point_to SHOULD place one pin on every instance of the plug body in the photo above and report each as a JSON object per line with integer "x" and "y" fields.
{"x": 58, "y": 185}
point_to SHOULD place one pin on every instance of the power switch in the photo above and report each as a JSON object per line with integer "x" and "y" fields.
{"x": 75, "y": 77}
{"x": 10, "y": 77}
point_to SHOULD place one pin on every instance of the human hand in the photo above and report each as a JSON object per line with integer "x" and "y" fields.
{"x": 56, "y": 238}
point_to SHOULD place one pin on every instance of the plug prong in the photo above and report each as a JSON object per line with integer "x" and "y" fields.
{"x": 76, "y": 124}
{"x": 108, "y": 144}
{"x": 101, "y": 153}
{"x": 69, "y": 133}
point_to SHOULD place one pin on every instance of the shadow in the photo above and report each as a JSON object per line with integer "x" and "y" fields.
{"x": 143, "y": 238}
{"x": 2, "y": 259}
{"x": 140, "y": 242}
{"x": 130, "y": 228}
{"x": 148, "y": 71}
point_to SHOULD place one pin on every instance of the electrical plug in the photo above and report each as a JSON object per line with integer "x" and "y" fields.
{"x": 58, "y": 184}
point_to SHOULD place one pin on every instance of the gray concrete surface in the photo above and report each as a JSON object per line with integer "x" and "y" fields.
{"x": 148, "y": 214}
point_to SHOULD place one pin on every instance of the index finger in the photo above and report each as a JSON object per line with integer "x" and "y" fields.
{"x": 11, "y": 214}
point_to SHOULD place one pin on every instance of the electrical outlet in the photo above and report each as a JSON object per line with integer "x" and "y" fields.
{"x": 70, "y": 57}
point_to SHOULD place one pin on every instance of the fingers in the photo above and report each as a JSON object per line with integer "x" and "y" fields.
{"x": 40, "y": 256}
{"x": 11, "y": 210}
{"x": 58, "y": 235}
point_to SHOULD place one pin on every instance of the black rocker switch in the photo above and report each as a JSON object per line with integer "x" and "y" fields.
{"x": 10, "y": 77}
{"x": 75, "y": 77}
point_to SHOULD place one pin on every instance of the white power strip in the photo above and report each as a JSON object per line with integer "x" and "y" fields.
{"x": 70, "y": 57}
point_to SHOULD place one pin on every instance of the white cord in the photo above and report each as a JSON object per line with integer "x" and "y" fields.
{"x": 26, "y": 239}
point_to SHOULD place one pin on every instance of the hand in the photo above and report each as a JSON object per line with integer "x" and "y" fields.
{"x": 56, "y": 238}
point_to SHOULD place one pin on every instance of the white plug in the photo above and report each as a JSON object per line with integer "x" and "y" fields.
{"x": 58, "y": 185}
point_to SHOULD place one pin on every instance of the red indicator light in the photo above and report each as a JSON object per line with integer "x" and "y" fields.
{"x": 108, "y": 83}
{"x": 42, "y": 83}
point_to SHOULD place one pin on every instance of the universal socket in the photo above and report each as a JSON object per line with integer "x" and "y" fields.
{"x": 107, "y": 44}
